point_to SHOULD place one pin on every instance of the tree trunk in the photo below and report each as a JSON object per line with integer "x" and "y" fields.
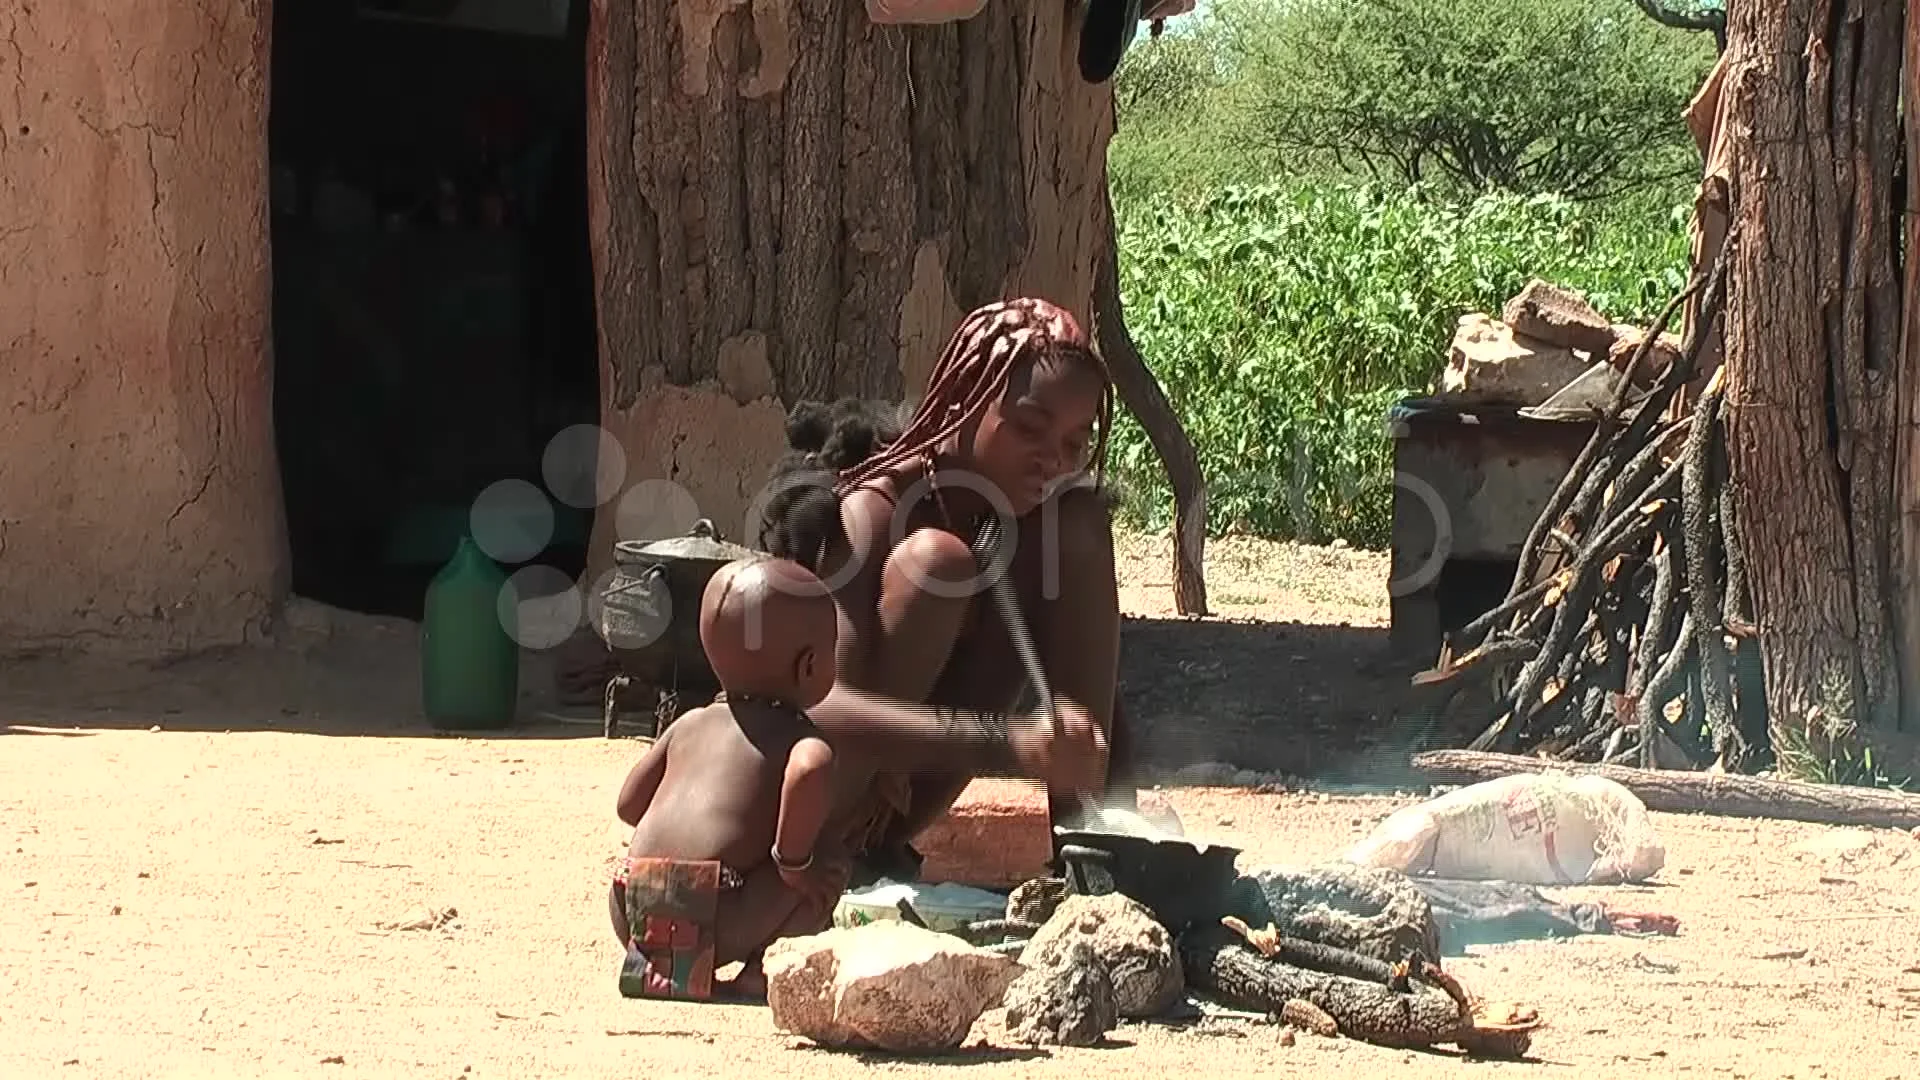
{"x": 791, "y": 202}
{"x": 1906, "y": 547}
{"x": 1812, "y": 349}
{"x": 1143, "y": 396}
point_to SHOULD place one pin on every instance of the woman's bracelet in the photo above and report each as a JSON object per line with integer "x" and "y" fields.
{"x": 785, "y": 867}
{"x": 987, "y": 733}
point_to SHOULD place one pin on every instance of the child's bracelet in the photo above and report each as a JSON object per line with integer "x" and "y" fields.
{"x": 786, "y": 867}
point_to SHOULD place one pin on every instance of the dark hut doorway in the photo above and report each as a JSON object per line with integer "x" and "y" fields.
{"x": 433, "y": 320}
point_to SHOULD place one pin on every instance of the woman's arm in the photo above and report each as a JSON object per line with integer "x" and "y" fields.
{"x": 1078, "y": 623}
{"x": 894, "y": 642}
{"x": 904, "y": 736}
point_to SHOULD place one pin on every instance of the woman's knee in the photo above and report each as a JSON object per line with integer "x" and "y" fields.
{"x": 931, "y": 561}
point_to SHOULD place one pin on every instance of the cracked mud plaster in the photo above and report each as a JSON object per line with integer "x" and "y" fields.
{"x": 138, "y": 471}
{"x": 720, "y": 450}
{"x": 928, "y": 314}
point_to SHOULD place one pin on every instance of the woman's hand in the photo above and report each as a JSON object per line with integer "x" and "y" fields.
{"x": 1067, "y": 750}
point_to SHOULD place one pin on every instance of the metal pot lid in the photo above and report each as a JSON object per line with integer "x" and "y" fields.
{"x": 701, "y": 544}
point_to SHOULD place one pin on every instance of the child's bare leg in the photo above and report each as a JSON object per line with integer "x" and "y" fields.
{"x": 753, "y": 916}
{"x": 808, "y": 917}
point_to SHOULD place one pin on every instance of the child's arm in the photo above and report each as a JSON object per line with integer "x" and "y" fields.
{"x": 806, "y": 794}
{"x": 641, "y": 784}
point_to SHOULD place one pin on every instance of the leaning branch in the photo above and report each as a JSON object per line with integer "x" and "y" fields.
{"x": 1726, "y": 794}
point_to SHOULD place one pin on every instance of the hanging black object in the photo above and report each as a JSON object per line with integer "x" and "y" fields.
{"x": 1106, "y": 33}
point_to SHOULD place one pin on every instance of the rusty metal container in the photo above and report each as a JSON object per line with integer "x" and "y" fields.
{"x": 1469, "y": 482}
{"x": 650, "y": 616}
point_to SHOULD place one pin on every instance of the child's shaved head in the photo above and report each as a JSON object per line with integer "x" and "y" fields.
{"x": 769, "y": 628}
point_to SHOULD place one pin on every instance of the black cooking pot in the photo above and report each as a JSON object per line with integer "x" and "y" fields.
{"x": 650, "y": 611}
{"x": 1182, "y": 882}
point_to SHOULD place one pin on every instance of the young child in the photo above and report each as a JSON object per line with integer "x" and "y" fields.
{"x": 728, "y": 805}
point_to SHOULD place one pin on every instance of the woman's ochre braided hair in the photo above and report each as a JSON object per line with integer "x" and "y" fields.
{"x": 973, "y": 373}
{"x": 832, "y": 450}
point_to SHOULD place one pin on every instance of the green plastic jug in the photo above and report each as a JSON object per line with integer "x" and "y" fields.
{"x": 469, "y": 660}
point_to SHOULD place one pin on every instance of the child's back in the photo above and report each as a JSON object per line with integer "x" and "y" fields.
{"x": 720, "y": 795}
{"x": 728, "y": 805}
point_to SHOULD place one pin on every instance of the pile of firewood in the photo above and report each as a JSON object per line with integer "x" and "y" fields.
{"x": 1624, "y": 638}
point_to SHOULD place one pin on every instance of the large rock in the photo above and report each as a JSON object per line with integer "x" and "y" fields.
{"x": 1491, "y": 365}
{"x": 886, "y": 986}
{"x": 1136, "y": 951}
{"x": 1067, "y": 1003}
{"x": 1558, "y": 316}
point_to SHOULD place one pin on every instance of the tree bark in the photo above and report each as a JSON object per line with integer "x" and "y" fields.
{"x": 776, "y": 177}
{"x": 1812, "y": 348}
{"x": 1674, "y": 792}
{"x": 790, "y": 202}
{"x": 1143, "y": 396}
{"x": 1906, "y": 544}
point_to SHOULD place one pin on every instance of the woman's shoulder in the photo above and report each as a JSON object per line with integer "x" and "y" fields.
{"x": 1083, "y": 495}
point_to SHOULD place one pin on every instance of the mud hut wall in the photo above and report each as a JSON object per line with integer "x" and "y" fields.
{"x": 790, "y": 202}
{"x": 139, "y": 498}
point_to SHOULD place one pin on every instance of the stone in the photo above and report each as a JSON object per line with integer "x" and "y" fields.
{"x": 1664, "y": 354}
{"x": 884, "y": 986}
{"x": 1133, "y": 947}
{"x": 1491, "y": 365}
{"x": 1066, "y": 1003}
{"x": 1558, "y": 316}
{"x": 997, "y": 834}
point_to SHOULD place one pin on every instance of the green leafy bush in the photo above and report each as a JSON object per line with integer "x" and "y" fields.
{"x": 1284, "y": 320}
{"x": 1577, "y": 97}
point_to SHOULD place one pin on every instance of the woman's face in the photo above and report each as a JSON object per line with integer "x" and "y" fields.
{"x": 1039, "y": 431}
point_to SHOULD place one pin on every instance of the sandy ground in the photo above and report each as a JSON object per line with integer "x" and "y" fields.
{"x": 197, "y": 862}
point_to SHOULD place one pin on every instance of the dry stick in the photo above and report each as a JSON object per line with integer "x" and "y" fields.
{"x": 1650, "y": 411}
{"x": 1617, "y": 622}
{"x": 1703, "y": 585}
{"x": 1749, "y": 674}
{"x": 1435, "y": 691}
{"x": 1572, "y": 680}
{"x": 1591, "y": 453}
{"x": 1654, "y": 638}
{"x": 1471, "y": 634}
{"x": 1622, "y": 498}
{"x": 1571, "y": 613}
{"x": 1484, "y": 660}
{"x": 1730, "y": 794}
{"x": 1588, "y": 487}
{"x": 1650, "y": 709}
{"x": 1593, "y": 709}
{"x": 1591, "y": 741}
{"x": 1631, "y": 448}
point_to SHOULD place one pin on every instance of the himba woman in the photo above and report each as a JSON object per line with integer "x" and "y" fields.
{"x": 1014, "y": 422}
